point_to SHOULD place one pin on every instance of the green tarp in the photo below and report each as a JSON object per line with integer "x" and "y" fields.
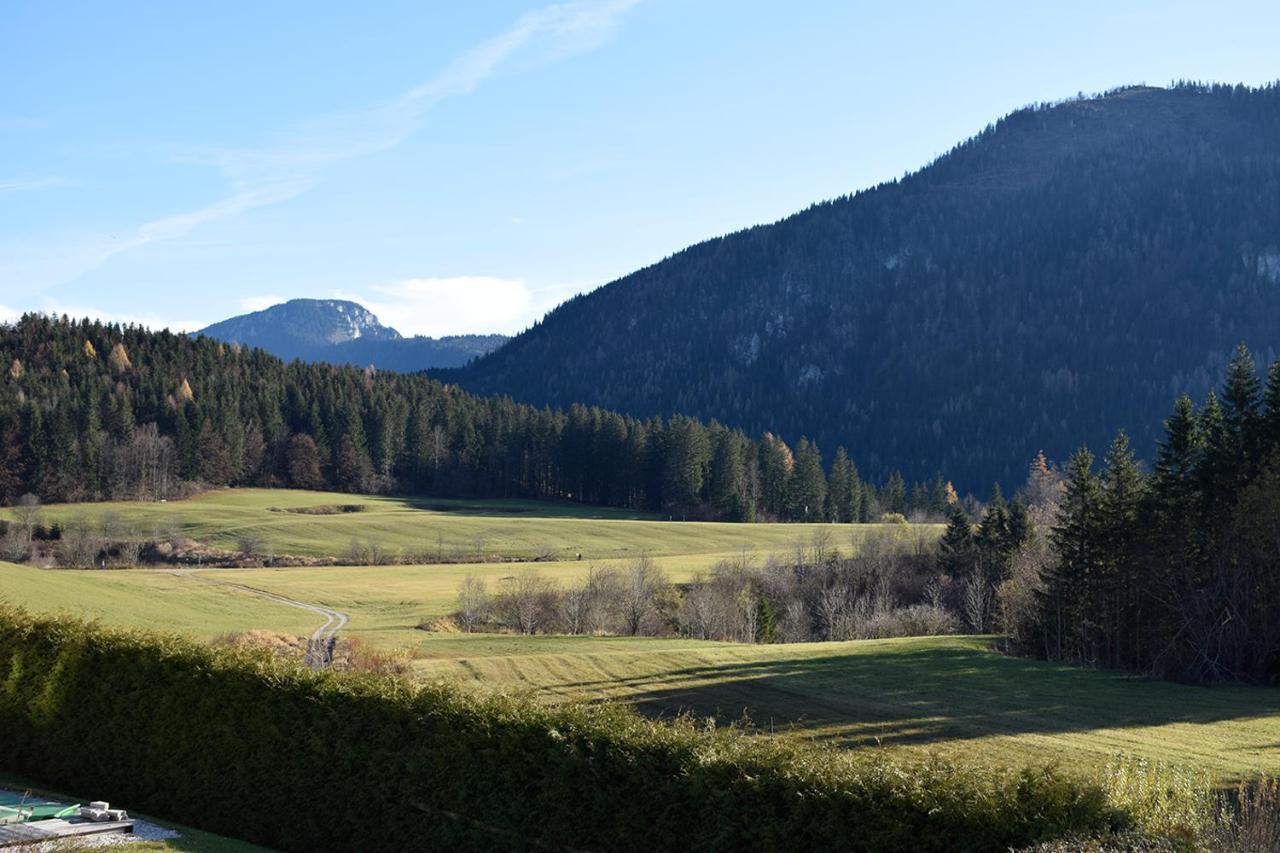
{"x": 15, "y": 809}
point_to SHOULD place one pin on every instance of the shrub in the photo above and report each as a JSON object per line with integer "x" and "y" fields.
{"x": 238, "y": 742}
{"x": 1164, "y": 801}
{"x": 249, "y": 543}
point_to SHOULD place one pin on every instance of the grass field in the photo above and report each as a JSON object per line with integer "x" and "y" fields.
{"x": 951, "y": 695}
{"x": 155, "y": 600}
{"x": 453, "y": 529}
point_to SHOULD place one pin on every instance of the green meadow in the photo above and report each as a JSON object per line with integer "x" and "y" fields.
{"x": 951, "y": 695}
{"x": 451, "y": 530}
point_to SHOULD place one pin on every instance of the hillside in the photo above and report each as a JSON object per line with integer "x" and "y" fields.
{"x": 92, "y": 411}
{"x": 1065, "y": 273}
{"x": 342, "y": 332}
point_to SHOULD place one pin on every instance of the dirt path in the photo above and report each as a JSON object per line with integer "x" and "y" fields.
{"x": 321, "y": 642}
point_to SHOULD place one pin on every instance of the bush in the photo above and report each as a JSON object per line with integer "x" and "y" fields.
{"x": 240, "y": 742}
{"x": 918, "y": 620}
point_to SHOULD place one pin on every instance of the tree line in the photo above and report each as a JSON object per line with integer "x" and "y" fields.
{"x": 1170, "y": 571}
{"x": 93, "y": 411}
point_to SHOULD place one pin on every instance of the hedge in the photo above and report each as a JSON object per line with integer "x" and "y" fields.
{"x": 235, "y": 743}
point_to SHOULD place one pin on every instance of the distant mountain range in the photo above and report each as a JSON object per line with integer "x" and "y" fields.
{"x": 1065, "y": 273}
{"x": 342, "y": 332}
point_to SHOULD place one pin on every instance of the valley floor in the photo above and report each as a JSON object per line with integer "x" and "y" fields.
{"x": 949, "y": 695}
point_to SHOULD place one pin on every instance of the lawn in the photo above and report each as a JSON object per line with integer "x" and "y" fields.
{"x": 949, "y": 695}
{"x": 155, "y": 600}
{"x": 452, "y": 530}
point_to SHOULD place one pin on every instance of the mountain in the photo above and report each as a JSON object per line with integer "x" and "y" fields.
{"x": 342, "y": 332}
{"x": 1061, "y": 275}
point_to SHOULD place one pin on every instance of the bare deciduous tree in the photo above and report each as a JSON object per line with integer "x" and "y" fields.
{"x": 527, "y": 602}
{"x": 644, "y": 587}
{"x": 977, "y": 602}
{"x": 28, "y": 513}
{"x": 473, "y": 602}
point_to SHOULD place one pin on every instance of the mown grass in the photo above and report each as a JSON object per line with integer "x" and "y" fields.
{"x": 156, "y": 600}
{"x": 949, "y": 695}
{"x": 452, "y": 530}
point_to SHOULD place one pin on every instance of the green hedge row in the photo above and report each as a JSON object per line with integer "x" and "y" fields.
{"x": 234, "y": 743}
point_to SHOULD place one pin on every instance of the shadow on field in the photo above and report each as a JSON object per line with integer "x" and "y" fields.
{"x": 936, "y": 694}
{"x": 507, "y": 508}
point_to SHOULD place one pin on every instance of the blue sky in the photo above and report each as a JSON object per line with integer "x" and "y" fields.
{"x": 466, "y": 166}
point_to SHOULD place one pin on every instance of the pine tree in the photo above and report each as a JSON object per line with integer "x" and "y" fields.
{"x": 728, "y": 478}
{"x": 919, "y": 502}
{"x": 776, "y": 462}
{"x": 808, "y": 485}
{"x": 766, "y": 622}
{"x": 1119, "y": 585}
{"x": 1069, "y": 599}
{"x": 1242, "y": 420}
{"x": 844, "y": 492}
{"x": 955, "y": 550}
{"x": 1269, "y": 430}
{"x": 688, "y": 453}
{"x": 893, "y": 497}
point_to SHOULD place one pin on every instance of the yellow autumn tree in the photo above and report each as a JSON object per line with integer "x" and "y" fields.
{"x": 185, "y": 393}
{"x": 119, "y": 358}
{"x": 89, "y": 350}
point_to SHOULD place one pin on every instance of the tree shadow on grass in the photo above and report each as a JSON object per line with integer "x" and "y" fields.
{"x": 930, "y": 695}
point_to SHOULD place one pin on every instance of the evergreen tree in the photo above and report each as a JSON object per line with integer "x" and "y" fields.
{"x": 1269, "y": 431}
{"x": 766, "y": 622}
{"x": 845, "y": 491}
{"x": 808, "y": 485}
{"x": 1119, "y": 582}
{"x": 956, "y": 549}
{"x": 688, "y": 453}
{"x": 1070, "y": 600}
{"x": 893, "y": 498}
{"x": 728, "y": 478}
{"x": 776, "y": 462}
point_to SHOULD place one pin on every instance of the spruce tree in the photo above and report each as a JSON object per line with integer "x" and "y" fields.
{"x": 1069, "y": 600}
{"x": 841, "y": 495}
{"x": 1119, "y": 577}
{"x": 956, "y": 548}
{"x": 1269, "y": 431}
{"x": 808, "y": 487}
{"x": 776, "y": 462}
{"x": 893, "y": 497}
{"x": 728, "y": 478}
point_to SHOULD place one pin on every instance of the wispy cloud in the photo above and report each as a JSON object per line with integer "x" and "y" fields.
{"x": 293, "y": 161}
{"x": 8, "y": 315}
{"x": 8, "y": 185}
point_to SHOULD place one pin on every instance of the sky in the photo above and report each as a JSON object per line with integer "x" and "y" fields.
{"x": 464, "y": 167}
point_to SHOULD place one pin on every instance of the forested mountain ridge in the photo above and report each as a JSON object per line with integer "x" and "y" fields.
{"x": 92, "y": 411}
{"x": 1059, "y": 276}
{"x": 342, "y": 332}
